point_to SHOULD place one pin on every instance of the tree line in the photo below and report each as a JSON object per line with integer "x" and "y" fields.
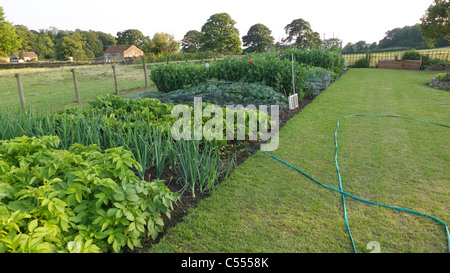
{"x": 218, "y": 34}
{"x": 432, "y": 31}
{"x": 405, "y": 37}
{"x": 59, "y": 44}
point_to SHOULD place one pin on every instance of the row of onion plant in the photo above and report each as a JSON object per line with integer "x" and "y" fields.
{"x": 198, "y": 164}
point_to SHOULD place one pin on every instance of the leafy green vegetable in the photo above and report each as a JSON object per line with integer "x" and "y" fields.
{"x": 78, "y": 200}
{"x": 222, "y": 93}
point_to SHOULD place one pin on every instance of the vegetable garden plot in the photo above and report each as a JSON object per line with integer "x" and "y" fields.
{"x": 126, "y": 142}
{"x": 223, "y": 93}
{"x": 270, "y": 69}
{"x": 139, "y": 126}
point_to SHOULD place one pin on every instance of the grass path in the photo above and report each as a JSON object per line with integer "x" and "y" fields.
{"x": 266, "y": 206}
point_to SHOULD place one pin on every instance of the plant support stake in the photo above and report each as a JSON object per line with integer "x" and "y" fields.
{"x": 293, "y": 99}
{"x": 293, "y": 81}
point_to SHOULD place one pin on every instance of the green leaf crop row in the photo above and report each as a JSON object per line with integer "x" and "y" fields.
{"x": 272, "y": 69}
{"x": 327, "y": 59}
{"x": 81, "y": 199}
{"x": 223, "y": 93}
{"x": 275, "y": 73}
{"x": 142, "y": 126}
{"x": 68, "y": 178}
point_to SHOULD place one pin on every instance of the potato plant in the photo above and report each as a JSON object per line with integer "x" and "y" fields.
{"x": 81, "y": 199}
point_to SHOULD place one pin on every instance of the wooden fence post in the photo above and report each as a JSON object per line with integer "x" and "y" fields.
{"x": 145, "y": 75}
{"x": 22, "y": 97}
{"x": 115, "y": 79}
{"x": 75, "y": 84}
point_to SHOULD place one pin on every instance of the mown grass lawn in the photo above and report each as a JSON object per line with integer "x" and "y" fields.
{"x": 265, "y": 206}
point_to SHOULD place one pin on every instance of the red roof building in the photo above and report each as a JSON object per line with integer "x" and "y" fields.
{"x": 27, "y": 56}
{"x": 122, "y": 52}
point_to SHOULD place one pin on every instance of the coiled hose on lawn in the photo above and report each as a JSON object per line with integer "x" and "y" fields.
{"x": 343, "y": 193}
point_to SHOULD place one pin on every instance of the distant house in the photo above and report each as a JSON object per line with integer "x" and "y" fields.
{"x": 27, "y": 57}
{"x": 122, "y": 53}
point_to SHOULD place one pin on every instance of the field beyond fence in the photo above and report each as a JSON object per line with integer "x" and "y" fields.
{"x": 441, "y": 54}
{"x": 47, "y": 89}
{"x": 53, "y": 88}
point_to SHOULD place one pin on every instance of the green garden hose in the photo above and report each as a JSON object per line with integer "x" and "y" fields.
{"x": 341, "y": 191}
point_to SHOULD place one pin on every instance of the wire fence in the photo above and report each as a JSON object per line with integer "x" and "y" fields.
{"x": 436, "y": 55}
{"x": 53, "y": 88}
{"x": 42, "y": 89}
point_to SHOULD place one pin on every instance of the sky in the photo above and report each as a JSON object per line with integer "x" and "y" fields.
{"x": 348, "y": 20}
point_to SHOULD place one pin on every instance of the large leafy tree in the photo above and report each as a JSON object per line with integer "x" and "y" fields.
{"x": 9, "y": 41}
{"x": 300, "y": 34}
{"x": 44, "y": 45}
{"x": 163, "y": 44}
{"x": 361, "y": 46}
{"x": 220, "y": 34}
{"x": 92, "y": 45}
{"x": 436, "y": 22}
{"x": 407, "y": 36}
{"x": 332, "y": 43}
{"x": 258, "y": 39}
{"x": 349, "y": 48}
{"x": 69, "y": 44}
{"x": 192, "y": 41}
{"x": 131, "y": 37}
{"x": 107, "y": 40}
{"x": 27, "y": 37}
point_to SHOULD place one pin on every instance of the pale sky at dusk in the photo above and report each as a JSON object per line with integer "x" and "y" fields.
{"x": 349, "y": 20}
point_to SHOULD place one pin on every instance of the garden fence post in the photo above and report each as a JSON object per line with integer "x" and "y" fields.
{"x": 75, "y": 84}
{"x": 145, "y": 75}
{"x": 115, "y": 79}
{"x": 21, "y": 95}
